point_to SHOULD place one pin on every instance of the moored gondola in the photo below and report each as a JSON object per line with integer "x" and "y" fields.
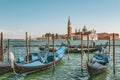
{"x": 98, "y": 63}
{"x": 95, "y": 68}
{"x": 75, "y": 50}
{"x": 43, "y": 63}
{"x": 5, "y": 67}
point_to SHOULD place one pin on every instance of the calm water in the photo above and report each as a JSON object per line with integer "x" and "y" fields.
{"x": 66, "y": 70}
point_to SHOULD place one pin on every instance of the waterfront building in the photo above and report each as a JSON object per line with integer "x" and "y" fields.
{"x": 106, "y": 36}
{"x": 77, "y": 34}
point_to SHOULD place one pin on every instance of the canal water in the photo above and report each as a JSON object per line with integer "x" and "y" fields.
{"x": 66, "y": 69}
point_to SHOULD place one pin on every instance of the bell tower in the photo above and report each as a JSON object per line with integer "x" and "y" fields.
{"x": 69, "y": 27}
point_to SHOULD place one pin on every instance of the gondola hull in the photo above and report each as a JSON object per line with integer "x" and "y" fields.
{"x": 79, "y": 51}
{"x": 43, "y": 63}
{"x": 95, "y": 70}
{"x": 29, "y": 69}
{"x": 5, "y": 67}
{"x": 74, "y": 50}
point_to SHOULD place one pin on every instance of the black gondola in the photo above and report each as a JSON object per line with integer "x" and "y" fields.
{"x": 41, "y": 64}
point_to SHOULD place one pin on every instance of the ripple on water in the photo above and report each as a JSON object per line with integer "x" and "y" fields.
{"x": 16, "y": 77}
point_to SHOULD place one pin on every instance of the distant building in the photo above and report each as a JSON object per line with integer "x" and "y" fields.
{"x": 57, "y": 36}
{"x": 116, "y": 36}
{"x": 77, "y": 35}
{"x": 106, "y": 36}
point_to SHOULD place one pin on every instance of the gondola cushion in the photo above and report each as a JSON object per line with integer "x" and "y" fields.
{"x": 21, "y": 59}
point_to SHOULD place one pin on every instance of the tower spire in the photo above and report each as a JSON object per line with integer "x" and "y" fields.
{"x": 69, "y": 23}
{"x": 69, "y": 27}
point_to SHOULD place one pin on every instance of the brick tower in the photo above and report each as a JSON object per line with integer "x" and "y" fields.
{"x": 69, "y": 27}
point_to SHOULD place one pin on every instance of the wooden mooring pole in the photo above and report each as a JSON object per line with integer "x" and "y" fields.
{"x": 88, "y": 45}
{"x": 82, "y": 53}
{"x": 2, "y": 47}
{"x": 109, "y": 46}
{"x": 53, "y": 53}
{"x": 27, "y": 47}
{"x": 8, "y": 48}
{"x": 113, "y": 53}
{"x": 68, "y": 49}
{"x": 48, "y": 42}
{"x": 29, "y": 44}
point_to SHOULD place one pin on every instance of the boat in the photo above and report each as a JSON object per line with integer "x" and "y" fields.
{"x": 50, "y": 48}
{"x": 32, "y": 56}
{"x": 98, "y": 63}
{"x": 43, "y": 63}
{"x": 100, "y": 58}
{"x": 101, "y": 76}
{"x": 95, "y": 68}
{"x": 74, "y": 50}
{"x": 78, "y": 50}
{"x": 5, "y": 67}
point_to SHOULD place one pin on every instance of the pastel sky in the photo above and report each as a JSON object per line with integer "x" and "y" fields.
{"x": 40, "y": 16}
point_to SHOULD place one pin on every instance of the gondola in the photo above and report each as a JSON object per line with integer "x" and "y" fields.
{"x": 95, "y": 68}
{"x": 32, "y": 56}
{"x": 5, "y": 67}
{"x": 43, "y": 63}
{"x": 78, "y": 50}
{"x": 100, "y": 58}
{"x": 98, "y": 63}
{"x": 50, "y": 48}
{"x": 75, "y": 50}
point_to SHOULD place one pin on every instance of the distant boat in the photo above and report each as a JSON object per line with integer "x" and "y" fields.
{"x": 50, "y": 48}
{"x": 74, "y": 50}
{"x": 78, "y": 50}
{"x": 43, "y": 63}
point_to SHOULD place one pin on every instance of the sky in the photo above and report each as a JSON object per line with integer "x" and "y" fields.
{"x": 38, "y": 17}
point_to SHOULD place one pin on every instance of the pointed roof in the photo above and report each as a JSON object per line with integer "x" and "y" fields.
{"x": 69, "y": 23}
